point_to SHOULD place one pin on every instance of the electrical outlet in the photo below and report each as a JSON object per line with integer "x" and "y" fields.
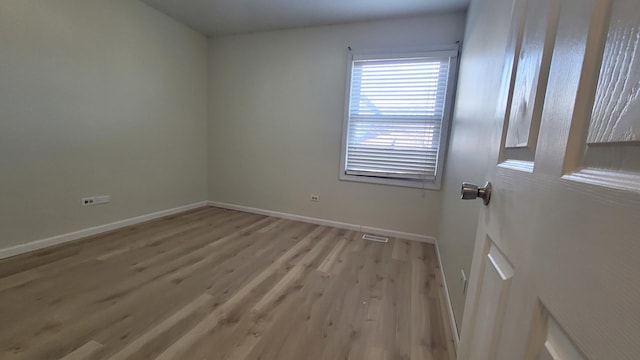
{"x": 96, "y": 200}
{"x": 315, "y": 198}
{"x": 463, "y": 281}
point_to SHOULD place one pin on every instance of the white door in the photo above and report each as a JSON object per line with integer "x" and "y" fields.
{"x": 556, "y": 265}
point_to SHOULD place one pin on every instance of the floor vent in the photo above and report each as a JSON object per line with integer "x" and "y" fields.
{"x": 370, "y": 237}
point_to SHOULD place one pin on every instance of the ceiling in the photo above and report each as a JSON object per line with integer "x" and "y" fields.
{"x": 221, "y": 17}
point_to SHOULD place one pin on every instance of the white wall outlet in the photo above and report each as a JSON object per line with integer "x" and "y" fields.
{"x": 96, "y": 200}
{"x": 463, "y": 281}
{"x": 315, "y": 198}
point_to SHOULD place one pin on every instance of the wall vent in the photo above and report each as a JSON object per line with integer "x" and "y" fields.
{"x": 370, "y": 237}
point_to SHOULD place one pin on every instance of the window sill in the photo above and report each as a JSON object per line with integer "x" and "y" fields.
{"x": 428, "y": 185}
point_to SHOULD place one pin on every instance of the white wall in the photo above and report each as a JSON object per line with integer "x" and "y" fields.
{"x": 97, "y": 97}
{"x": 276, "y": 113}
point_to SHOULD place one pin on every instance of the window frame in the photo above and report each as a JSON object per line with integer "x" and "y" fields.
{"x": 354, "y": 55}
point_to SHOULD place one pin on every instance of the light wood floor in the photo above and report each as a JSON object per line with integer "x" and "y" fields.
{"x": 221, "y": 284}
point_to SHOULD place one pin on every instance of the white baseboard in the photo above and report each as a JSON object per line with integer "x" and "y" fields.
{"x": 324, "y": 222}
{"x": 60, "y": 239}
{"x": 452, "y": 318}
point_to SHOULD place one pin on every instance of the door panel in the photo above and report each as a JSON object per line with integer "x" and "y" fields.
{"x": 608, "y": 154}
{"x": 491, "y": 303}
{"x": 534, "y": 39}
{"x": 569, "y": 225}
{"x": 548, "y": 341}
{"x": 617, "y": 104}
{"x": 557, "y": 345}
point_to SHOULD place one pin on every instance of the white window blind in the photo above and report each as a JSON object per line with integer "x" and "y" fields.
{"x": 395, "y": 116}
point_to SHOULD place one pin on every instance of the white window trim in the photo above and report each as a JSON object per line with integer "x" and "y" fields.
{"x": 446, "y": 120}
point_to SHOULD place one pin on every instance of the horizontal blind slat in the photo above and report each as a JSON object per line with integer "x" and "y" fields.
{"x": 391, "y": 175}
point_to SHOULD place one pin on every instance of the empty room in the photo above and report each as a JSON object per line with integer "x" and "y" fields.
{"x": 285, "y": 179}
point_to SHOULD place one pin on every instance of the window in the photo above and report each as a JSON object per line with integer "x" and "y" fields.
{"x": 396, "y": 117}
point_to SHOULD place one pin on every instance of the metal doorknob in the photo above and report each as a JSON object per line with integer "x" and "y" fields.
{"x": 471, "y": 191}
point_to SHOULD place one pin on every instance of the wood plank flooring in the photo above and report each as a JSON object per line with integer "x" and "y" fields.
{"x": 220, "y": 284}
